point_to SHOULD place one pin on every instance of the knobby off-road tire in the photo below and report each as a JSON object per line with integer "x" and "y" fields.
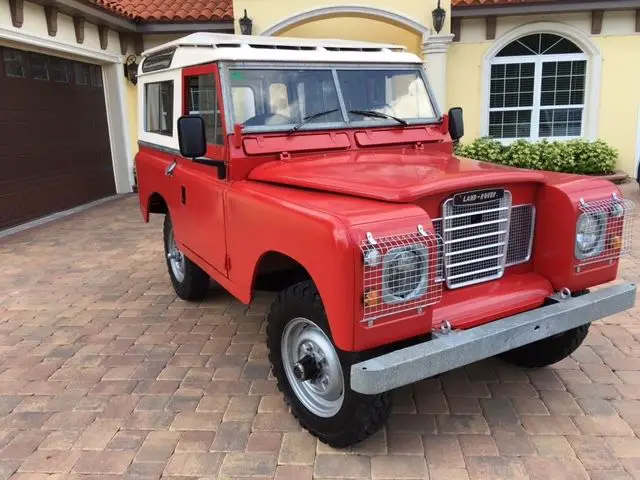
{"x": 189, "y": 281}
{"x": 341, "y": 423}
{"x": 547, "y": 351}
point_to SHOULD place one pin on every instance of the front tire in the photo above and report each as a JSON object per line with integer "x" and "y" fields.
{"x": 547, "y": 351}
{"x": 189, "y": 281}
{"x": 314, "y": 375}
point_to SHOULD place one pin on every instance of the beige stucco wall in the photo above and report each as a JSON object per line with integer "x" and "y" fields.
{"x": 619, "y": 95}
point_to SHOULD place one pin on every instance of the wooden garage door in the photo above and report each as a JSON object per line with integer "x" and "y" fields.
{"x": 54, "y": 138}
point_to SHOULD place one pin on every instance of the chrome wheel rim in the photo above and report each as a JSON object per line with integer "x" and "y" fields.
{"x": 176, "y": 258}
{"x": 322, "y": 395}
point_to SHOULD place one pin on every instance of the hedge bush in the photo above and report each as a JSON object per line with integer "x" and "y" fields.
{"x": 573, "y": 156}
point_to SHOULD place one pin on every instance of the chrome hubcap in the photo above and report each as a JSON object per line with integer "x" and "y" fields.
{"x": 176, "y": 258}
{"x": 312, "y": 367}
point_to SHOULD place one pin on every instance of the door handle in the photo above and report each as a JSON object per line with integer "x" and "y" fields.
{"x": 169, "y": 170}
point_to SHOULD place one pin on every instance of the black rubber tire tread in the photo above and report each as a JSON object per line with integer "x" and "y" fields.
{"x": 361, "y": 415}
{"x": 547, "y": 351}
{"x": 196, "y": 281}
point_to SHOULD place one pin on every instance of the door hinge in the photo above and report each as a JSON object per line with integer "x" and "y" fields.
{"x": 285, "y": 156}
{"x": 227, "y": 263}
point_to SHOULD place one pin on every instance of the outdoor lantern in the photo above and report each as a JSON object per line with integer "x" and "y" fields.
{"x": 245, "y": 24}
{"x": 131, "y": 69}
{"x": 439, "y": 15}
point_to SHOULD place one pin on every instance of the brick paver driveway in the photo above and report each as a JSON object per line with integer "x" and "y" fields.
{"x": 104, "y": 372}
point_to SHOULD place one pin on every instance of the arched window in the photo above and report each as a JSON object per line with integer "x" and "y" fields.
{"x": 537, "y": 89}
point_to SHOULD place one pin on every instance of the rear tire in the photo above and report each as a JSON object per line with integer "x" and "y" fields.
{"x": 325, "y": 405}
{"x": 189, "y": 281}
{"x": 547, "y": 351}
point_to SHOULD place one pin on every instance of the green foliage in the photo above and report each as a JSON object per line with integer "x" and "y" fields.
{"x": 593, "y": 157}
{"x": 573, "y": 156}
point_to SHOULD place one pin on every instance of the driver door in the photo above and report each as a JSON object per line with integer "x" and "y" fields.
{"x": 204, "y": 185}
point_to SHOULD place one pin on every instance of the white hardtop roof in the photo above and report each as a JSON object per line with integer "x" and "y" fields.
{"x": 204, "y": 47}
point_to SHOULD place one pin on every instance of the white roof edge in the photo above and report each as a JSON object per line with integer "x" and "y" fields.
{"x": 207, "y": 39}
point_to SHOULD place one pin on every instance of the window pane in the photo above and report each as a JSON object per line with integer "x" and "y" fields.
{"x": 561, "y": 122}
{"x": 510, "y": 124}
{"x": 515, "y": 49}
{"x": 563, "y": 46}
{"x": 562, "y": 83}
{"x": 244, "y": 103}
{"x": 59, "y": 70}
{"x": 203, "y": 101}
{"x": 95, "y": 74}
{"x": 159, "y": 108}
{"x": 13, "y": 63}
{"x": 39, "y": 67}
{"x": 516, "y": 90}
{"x": 81, "y": 73}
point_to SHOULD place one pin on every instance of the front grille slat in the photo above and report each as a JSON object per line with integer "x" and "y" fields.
{"x": 463, "y": 248}
{"x": 462, "y": 225}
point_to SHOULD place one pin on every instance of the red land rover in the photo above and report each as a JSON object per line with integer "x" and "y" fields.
{"x": 329, "y": 163}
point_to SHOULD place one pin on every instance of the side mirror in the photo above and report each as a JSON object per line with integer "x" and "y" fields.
{"x": 456, "y": 124}
{"x": 192, "y": 136}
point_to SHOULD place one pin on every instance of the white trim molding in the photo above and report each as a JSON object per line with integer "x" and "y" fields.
{"x": 334, "y": 10}
{"x": 581, "y": 39}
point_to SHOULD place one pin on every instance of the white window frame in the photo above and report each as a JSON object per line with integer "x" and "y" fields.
{"x": 538, "y": 61}
{"x": 577, "y": 36}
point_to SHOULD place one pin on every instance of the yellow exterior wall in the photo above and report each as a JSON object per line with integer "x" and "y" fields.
{"x": 619, "y": 98}
{"x": 464, "y": 84}
{"x": 360, "y": 29}
{"x": 264, "y": 14}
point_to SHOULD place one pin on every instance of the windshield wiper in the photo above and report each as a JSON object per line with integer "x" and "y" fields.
{"x": 311, "y": 117}
{"x": 373, "y": 113}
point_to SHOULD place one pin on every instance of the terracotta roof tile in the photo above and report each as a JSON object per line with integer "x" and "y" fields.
{"x": 170, "y": 10}
{"x": 480, "y": 3}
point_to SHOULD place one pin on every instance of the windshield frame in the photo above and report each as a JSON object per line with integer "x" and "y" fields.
{"x": 226, "y": 66}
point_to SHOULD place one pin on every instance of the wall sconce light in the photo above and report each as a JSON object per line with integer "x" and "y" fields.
{"x": 439, "y": 15}
{"x": 131, "y": 69}
{"x": 245, "y": 24}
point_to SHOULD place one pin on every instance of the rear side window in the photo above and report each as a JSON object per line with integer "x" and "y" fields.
{"x": 158, "y": 98}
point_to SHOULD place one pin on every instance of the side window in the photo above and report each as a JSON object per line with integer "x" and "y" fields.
{"x": 158, "y": 116}
{"x": 203, "y": 101}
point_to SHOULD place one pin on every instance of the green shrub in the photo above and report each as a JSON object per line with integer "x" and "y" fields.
{"x": 485, "y": 149}
{"x": 573, "y": 156}
{"x": 593, "y": 157}
{"x": 556, "y": 156}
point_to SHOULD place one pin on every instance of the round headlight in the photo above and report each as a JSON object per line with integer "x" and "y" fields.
{"x": 404, "y": 275}
{"x": 590, "y": 234}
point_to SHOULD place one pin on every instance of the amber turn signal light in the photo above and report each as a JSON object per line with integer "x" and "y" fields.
{"x": 371, "y": 298}
{"x": 616, "y": 242}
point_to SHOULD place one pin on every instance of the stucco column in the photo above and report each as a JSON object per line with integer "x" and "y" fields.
{"x": 434, "y": 56}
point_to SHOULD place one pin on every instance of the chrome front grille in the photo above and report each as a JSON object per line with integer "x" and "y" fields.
{"x": 475, "y": 240}
{"x": 476, "y": 236}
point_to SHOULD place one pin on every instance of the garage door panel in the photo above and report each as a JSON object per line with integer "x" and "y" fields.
{"x": 55, "y": 150}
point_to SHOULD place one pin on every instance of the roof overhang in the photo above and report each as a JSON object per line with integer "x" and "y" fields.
{"x": 559, "y": 6}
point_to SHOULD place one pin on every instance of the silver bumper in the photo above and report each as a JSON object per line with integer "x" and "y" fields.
{"x": 459, "y": 348}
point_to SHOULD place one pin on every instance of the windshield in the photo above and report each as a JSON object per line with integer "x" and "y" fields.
{"x": 279, "y": 99}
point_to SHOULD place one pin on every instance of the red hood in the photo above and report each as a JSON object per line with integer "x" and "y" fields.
{"x": 401, "y": 176}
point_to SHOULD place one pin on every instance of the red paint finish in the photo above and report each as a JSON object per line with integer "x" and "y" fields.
{"x": 316, "y": 203}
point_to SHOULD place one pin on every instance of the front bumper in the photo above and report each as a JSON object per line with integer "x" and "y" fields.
{"x": 458, "y": 348}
